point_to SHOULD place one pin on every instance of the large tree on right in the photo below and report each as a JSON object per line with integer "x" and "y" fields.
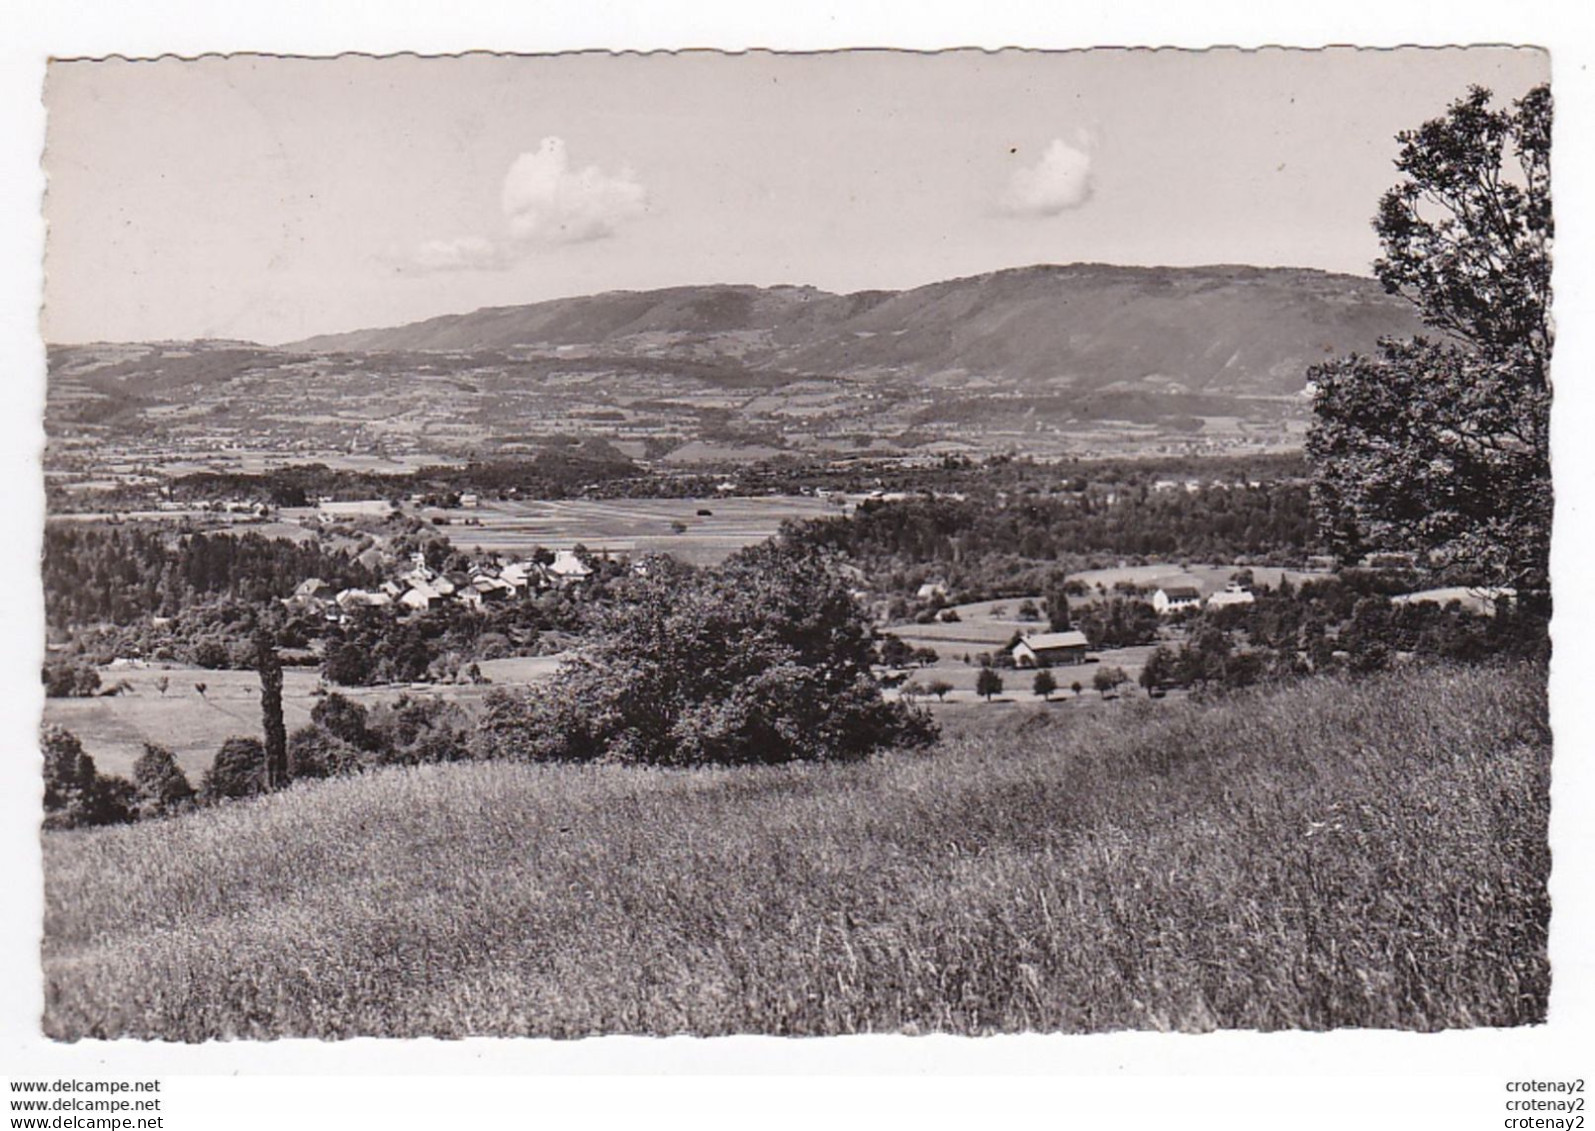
{"x": 1442, "y": 445}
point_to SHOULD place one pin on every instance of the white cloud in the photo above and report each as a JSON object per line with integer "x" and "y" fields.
{"x": 466, "y": 253}
{"x": 545, "y": 203}
{"x": 1058, "y": 182}
{"x": 548, "y": 202}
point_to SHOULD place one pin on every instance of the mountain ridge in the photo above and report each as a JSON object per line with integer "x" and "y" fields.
{"x": 1228, "y": 327}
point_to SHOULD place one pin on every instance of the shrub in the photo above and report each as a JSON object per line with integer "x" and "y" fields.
{"x": 239, "y": 770}
{"x": 315, "y": 752}
{"x": 159, "y": 784}
{"x": 345, "y": 720}
{"x": 209, "y": 652}
{"x": 412, "y": 731}
{"x": 75, "y": 793}
{"x": 895, "y": 651}
{"x": 70, "y": 681}
{"x": 1106, "y": 679}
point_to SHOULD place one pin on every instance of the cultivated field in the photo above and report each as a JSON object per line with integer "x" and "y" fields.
{"x": 629, "y": 526}
{"x": 1332, "y": 854}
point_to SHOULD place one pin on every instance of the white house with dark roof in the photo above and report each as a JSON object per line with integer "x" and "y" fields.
{"x": 1176, "y": 599}
{"x": 1045, "y": 649}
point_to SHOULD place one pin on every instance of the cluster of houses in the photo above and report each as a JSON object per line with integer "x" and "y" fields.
{"x": 1171, "y": 599}
{"x": 1195, "y": 486}
{"x": 1052, "y": 649}
{"x": 423, "y": 588}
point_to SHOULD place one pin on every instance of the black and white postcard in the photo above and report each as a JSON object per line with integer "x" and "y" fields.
{"x": 775, "y": 544}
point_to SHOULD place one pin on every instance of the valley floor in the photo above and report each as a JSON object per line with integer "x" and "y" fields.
{"x": 1328, "y": 854}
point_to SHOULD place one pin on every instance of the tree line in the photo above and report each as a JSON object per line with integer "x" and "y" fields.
{"x": 121, "y": 574}
{"x": 980, "y": 548}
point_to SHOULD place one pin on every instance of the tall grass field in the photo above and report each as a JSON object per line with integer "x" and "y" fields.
{"x": 1334, "y": 853}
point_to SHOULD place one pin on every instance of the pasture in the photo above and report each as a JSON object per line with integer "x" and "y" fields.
{"x": 629, "y": 526}
{"x": 1206, "y": 577}
{"x": 114, "y": 728}
{"x": 1331, "y": 854}
{"x": 986, "y": 627}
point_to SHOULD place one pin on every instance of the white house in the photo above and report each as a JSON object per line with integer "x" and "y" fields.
{"x": 568, "y": 567}
{"x": 358, "y": 508}
{"x": 519, "y": 574}
{"x": 362, "y": 598}
{"x": 1047, "y": 648}
{"x": 1233, "y": 594}
{"x": 1176, "y": 599}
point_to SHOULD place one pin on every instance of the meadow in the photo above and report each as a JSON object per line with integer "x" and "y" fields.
{"x": 1331, "y": 853}
{"x": 114, "y": 729}
{"x": 630, "y": 526}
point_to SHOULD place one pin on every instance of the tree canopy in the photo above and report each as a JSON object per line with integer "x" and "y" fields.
{"x": 1442, "y": 446}
{"x": 765, "y": 659}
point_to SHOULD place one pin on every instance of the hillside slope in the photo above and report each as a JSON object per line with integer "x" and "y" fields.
{"x": 1330, "y": 854}
{"x": 1220, "y": 329}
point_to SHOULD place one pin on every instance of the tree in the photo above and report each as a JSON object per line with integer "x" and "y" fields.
{"x": 1106, "y": 679}
{"x": 345, "y": 720}
{"x": 895, "y": 651}
{"x": 75, "y": 792}
{"x": 70, "y": 681}
{"x": 939, "y": 688}
{"x": 318, "y": 753}
{"x": 1159, "y": 671}
{"x": 1058, "y": 610}
{"x": 1467, "y": 234}
{"x": 765, "y": 659}
{"x": 69, "y": 776}
{"x": 159, "y": 784}
{"x": 1045, "y": 684}
{"x": 1442, "y": 446}
{"x": 269, "y": 665}
{"x": 347, "y": 664}
{"x": 988, "y": 683}
{"x": 238, "y": 771}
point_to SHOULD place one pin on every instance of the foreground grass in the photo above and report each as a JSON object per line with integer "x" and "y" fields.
{"x": 1334, "y": 854}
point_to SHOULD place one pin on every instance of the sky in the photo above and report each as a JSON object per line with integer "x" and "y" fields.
{"x": 274, "y": 198}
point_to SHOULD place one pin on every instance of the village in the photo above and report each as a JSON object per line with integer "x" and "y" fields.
{"x": 422, "y": 588}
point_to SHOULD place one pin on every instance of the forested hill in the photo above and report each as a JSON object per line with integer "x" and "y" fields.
{"x": 1084, "y": 326}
